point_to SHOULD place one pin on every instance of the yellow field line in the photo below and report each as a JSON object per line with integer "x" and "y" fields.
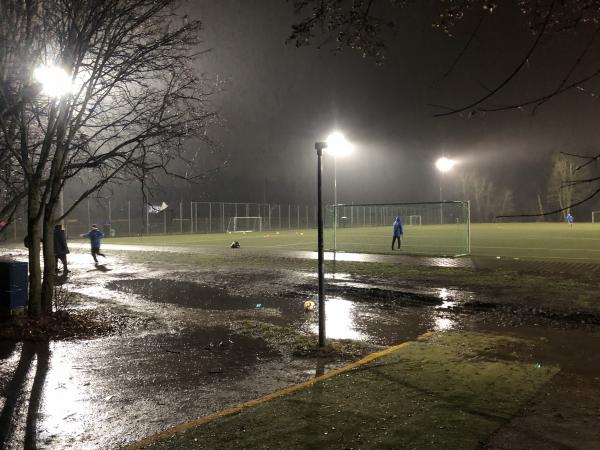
{"x": 286, "y": 391}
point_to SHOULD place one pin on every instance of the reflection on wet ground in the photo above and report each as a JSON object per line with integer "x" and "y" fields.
{"x": 186, "y": 293}
{"x": 369, "y": 257}
{"x": 102, "y": 393}
{"x": 346, "y": 317}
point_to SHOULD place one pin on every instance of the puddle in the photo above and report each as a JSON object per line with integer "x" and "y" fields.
{"x": 188, "y": 294}
{"x": 382, "y": 322}
{"x": 382, "y": 317}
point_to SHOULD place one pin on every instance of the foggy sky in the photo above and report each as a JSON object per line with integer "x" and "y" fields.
{"x": 277, "y": 100}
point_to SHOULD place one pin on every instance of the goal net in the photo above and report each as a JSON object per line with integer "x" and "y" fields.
{"x": 414, "y": 220}
{"x": 444, "y": 228}
{"x": 244, "y": 224}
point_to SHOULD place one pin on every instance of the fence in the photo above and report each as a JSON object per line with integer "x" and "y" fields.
{"x": 122, "y": 217}
{"x": 131, "y": 218}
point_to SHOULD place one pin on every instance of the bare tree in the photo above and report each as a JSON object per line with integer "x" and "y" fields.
{"x": 560, "y": 183}
{"x": 368, "y": 26}
{"x": 134, "y": 103}
{"x": 487, "y": 201}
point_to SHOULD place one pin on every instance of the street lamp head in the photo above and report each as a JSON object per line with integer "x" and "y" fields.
{"x": 445, "y": 164}
{"x": 55, "y": 81}
{"x": 337, "y": 144}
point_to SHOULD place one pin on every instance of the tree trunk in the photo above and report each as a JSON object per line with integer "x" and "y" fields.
{"x": 34, "y": 233}
{"x": 541, "y": 208}
{"x": 49, "y": 264}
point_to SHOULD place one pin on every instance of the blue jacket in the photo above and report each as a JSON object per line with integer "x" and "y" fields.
{"x": 94, "y": 236}
{"x": 398, "y": 227}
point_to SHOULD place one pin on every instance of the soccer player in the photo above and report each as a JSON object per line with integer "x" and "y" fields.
{"x": 570, "y": 219}
{"x": 397, "y": 232}
{"x": 60, "y": 248}
{"x": 95, "y": 235}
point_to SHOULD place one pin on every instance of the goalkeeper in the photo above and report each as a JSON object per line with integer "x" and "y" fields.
{"x": 397, "y": 232}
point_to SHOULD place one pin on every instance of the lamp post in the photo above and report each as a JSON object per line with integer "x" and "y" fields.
{"x": 319, "y": 146}
{"x": 443, "y": 165}
{"x": 337, "y": 146}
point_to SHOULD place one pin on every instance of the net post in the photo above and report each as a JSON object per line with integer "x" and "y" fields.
{"x": 468, "y": 227}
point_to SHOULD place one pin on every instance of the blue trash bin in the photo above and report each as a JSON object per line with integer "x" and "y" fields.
{"x": 13, "y": 287}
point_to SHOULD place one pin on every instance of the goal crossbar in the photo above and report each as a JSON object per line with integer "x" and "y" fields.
{"x": 245, "y": 224}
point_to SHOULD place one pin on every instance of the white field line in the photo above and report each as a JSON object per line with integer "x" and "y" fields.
{"x": 539, "y": 248}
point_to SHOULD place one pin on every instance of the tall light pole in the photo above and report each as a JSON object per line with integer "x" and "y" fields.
{"x": 443, "y": 165}
{"x": 319, "y": 146}
{"x": 337, "y": 146}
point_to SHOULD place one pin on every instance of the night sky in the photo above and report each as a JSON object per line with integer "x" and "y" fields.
{"x": 277, "y": 100}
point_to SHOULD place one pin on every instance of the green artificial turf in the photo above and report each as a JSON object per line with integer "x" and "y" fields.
{"x": 545, "y": 241}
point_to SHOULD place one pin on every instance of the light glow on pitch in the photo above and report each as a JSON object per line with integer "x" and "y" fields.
{"x": 444, "y": 164}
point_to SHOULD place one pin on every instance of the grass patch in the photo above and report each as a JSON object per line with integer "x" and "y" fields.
{"x": 445, "y": 392}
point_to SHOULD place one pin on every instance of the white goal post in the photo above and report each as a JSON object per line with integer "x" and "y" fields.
{"x": 595, "y": 216}
{"x": 414, "y": 219}
{"x": 244, "y": 224}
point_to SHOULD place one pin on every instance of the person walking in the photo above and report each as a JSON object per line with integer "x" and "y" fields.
{"x": 397, "y": 232}
{"x": 95, "y": 236}
{"x": 60, "y": 248}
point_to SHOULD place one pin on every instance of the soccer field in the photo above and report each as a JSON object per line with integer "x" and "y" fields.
{"x": 547, "y": 241}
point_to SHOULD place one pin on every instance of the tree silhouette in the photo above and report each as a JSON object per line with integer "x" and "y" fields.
{"x": 135, "y": 101}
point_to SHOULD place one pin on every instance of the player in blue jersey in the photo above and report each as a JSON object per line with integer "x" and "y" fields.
{"x": 570, "y": 219}
{"x": 95, "y": 236}
{"x": 397, "y": 232}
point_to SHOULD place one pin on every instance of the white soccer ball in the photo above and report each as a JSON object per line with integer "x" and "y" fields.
{"x": 309, "y": 306}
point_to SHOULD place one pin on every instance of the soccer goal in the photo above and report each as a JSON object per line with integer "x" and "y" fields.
{"x": 595, "y": 216}
{"x": 244, "y": 224}
{"x": 444, "y": 228}
{"x": 414, "y": 219}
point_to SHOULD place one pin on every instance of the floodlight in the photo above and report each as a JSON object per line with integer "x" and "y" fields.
{"x": 445, "y": 164}
{"x": 337, "y": 144}
{"x": 55, "y": 81}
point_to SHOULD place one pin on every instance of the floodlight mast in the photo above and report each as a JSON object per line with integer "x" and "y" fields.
{"x": 443, "y": 164}
{"x": 337, "y": 146}
{"x": 319, "y": 146}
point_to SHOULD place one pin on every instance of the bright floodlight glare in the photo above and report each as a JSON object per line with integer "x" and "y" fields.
{"x": 54, "y": 80}
{"x": 338, "y": 145}
{"x": 445, "y": 164}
